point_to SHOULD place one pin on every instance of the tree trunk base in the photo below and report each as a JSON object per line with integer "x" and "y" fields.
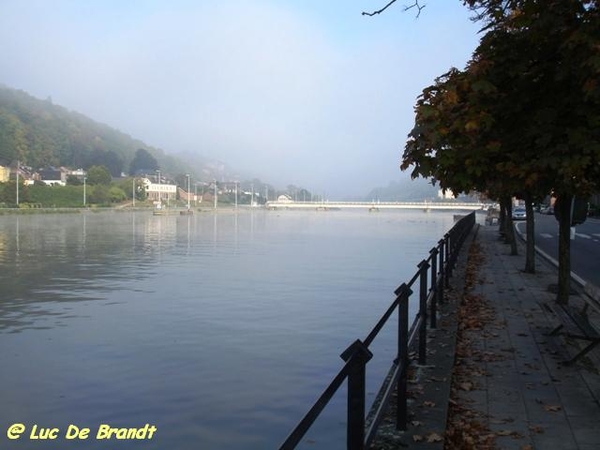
{"x": 554, "y": 289}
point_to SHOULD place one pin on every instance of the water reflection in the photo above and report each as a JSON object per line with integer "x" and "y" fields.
{"x": 219, "y": 327}
{"x": 48, "y": 260}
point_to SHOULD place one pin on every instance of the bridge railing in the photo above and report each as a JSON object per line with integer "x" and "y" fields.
{"x": 326, "y": 203}
{"x": 433, "y": 275}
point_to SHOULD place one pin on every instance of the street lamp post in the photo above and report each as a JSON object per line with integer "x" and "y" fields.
{"x": 133, "y": 191}
{"x": 159, "y": 196}
{"x": 84, "y": 193}
{"x": 216, "y": 194}
{"x": 188, "y": 190}
{"x": 17, "y": 183}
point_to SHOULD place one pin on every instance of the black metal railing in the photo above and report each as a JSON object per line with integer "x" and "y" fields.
{"x": 433, "y": 274}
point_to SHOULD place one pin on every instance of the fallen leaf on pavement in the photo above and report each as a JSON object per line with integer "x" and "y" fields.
{"x": 466, "y": 386}
{"x": 434, "y": 437}
{"x": 504, "y": 433}
{"x": 552, "y": 408}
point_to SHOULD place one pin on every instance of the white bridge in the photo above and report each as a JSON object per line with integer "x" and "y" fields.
{"x": 376, "y": 206}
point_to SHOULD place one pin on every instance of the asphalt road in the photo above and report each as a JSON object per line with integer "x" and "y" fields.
{"x": 585, "y": 248}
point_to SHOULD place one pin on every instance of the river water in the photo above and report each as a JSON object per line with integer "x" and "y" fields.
{"x": 220, "y": 329}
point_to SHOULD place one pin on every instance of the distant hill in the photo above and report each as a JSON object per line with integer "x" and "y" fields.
{"x": 39, "y": 133}
{"x": 417, "y": 190}
{"x": 406, "y": 190}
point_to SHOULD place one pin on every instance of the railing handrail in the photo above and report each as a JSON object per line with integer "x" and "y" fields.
{"x": 358, "y": 354}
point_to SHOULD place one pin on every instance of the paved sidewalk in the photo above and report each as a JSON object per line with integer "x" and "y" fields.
{"x": 530, "y": 399}
{"x": 509, "y": 389}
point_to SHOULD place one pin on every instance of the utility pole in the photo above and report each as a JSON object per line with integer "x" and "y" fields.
{"x": 17, "y": 183}
{"x": 188, "y": 191}
{"x": 159, "y": 196}
{"x": 236, "y": 194}
{"x": 215, "y": 195}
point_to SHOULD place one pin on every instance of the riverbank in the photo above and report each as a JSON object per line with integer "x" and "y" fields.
{"x": 119, "y": 208}
{"x": 125, "y": 208}
{"x": 493, "y": 378}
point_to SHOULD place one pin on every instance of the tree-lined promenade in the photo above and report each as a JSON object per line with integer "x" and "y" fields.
{"x": 523, "y": 118}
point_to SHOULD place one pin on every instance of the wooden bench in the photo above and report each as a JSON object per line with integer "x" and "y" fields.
{"x": 579, "y": 324}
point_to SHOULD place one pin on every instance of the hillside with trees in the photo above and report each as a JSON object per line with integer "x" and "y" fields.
{"x": 39, "y": 133}
{"x": 404, "y": 190}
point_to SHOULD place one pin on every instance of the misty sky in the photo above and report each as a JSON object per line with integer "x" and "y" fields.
{"x": 305, "y": 92}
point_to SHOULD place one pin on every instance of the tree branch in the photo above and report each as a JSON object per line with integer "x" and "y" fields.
{"x": 380, "y": 11}
{"x": 415, "y": 5}
{"x": 406, "y": 8}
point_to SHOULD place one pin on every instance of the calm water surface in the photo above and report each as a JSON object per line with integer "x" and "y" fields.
{"x": 219, "y": 329}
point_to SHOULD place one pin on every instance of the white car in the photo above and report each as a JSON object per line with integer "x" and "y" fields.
{"x": 519, "y": 213}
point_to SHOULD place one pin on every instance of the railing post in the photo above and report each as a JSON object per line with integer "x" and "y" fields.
{"x": 355, "y": 431}
{"x": 423, "y": 266}
{"x": 453, "y": 245}
{"x": 448, "y": 268}
{"x": 441, "y": 279}
{"x": 403, "y": 293}
{"x": 434, "y": 287}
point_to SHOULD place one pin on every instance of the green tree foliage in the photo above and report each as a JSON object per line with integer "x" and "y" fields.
{"x": 559, "y": 99}
{"x": 39, "y": 133}
{"x": 143, "y": 162}
{"x": 98, "y": 175}
{"x": 116, "y": 194}
{"x": 8, "y": 193}
{"x": 131, "y": 185}
{"x": 12, "y": 137}
{"x": 72, "y": 196}
{"x": 523, "y": 117}
{"x": 99, "y": 194}
{"x": 56, "y": 196}
{"x": 73, "y": 180}
{"x": 108, "y": 159}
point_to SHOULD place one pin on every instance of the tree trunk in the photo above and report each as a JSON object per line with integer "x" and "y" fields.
{"x": 563, "y": 203}
{"x": 510, "y": 230}
{"x": 530, "y": 225}
{"x": 502, "y": 218}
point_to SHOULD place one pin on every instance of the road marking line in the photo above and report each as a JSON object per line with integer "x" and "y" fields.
{"x": 596, "y": 234}
{"x": 546, "y": 235}
{"x": 585, "y": 236}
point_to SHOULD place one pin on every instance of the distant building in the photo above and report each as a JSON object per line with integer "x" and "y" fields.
{"x": 283, "y": 198}
{"x": 186, "y": 196}
{"x": 79, "y": 173}
{"x": 160, "y": 191}
{"x": 447, "y": 195}
{"x": 4, "y": 174}
{"x": 52, "y": 176}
